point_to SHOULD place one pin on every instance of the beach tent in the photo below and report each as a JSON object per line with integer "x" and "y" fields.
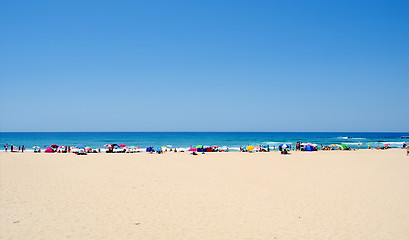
{"x": 309, "y": 148}
{"x": 49, "y": 150}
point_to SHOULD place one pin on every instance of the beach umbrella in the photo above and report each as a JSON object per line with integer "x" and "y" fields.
{"x": 54, "y": 146}
{"x": 333, "y": 145}
{"x": 107, "y": 145}
{"x": 387, "y": 144}
{"x": 284, "y": 146}
{"x": 250, "y": 148}
{"x": 87, "y": 148}
{"x": 80, "y": 146}
{"x": 193, "y": 150}
{"x": 199, "y": 146}
{"x": 158, "y": 149}
{"x": 122, "y": 145}
{"x": 36, "y": 147}
{"x": 344, "y": 146}
{"x": 169, "y": 146}
{"x": 49, "y": 150}
{"x": 137, "y": 148}
{"x": 163, "y": 147}
{"x": 215, "y": 146}
{"x": 309, "y": 148}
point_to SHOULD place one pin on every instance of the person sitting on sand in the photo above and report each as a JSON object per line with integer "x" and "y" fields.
{"x": 194, "y": 153}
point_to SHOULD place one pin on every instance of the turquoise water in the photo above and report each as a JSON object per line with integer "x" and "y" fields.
{"x": 233, "y": 140}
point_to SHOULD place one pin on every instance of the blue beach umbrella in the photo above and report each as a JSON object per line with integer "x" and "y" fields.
{"x": 158, "y": 149}
{"x": 80, "y": 146}
{"x": 309, "y": 148}
{"x": 284, "y": 146}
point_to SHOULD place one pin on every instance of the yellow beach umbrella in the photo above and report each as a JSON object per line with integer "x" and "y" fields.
{"x": 250, "y": 148}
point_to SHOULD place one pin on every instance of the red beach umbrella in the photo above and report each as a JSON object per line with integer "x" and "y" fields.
{"x": 54, "y": 146}
{"x": 122, "y": 145}
{"x": 107, "y": 145}
{"x": 387, "y": 144}
{"x": 193, "y": 149}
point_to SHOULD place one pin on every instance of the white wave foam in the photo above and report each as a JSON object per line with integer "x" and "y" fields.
{"x": 235, "y": 148}
{"x": 351, "y": 138}
{"x": 352, "y": 143}
{"x": 393, "y": 143}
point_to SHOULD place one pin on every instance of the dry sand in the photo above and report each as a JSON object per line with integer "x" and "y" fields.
{"x": 322, "y": 195}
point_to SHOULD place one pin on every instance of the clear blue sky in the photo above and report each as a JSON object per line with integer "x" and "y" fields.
{"x": 204, "y": 65}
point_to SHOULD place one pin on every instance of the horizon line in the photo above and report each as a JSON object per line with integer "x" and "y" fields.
{"x": 204, "y": 132}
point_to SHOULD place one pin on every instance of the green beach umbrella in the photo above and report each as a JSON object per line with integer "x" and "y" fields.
{"x": 199, "y": 146}
{"x": 344, "y": 146}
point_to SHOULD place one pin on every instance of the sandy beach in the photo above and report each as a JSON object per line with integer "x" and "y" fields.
{"x": 318, "y": 195}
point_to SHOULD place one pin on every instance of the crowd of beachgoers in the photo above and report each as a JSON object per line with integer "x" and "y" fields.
{"x": 194, "y": 150}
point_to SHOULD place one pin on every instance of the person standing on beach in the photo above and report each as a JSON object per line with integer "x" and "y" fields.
{"x": 5, "y": 146}
{"x": 22, "y": 148}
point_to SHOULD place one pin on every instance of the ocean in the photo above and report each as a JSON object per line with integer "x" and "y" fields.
{"x": 233, "y": 140}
